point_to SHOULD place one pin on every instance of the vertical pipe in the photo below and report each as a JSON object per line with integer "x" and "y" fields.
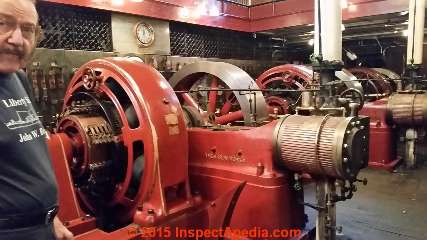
{"x": 326, "y": 218}
{"x": 330, "y": 28}
{"x": 415, "y": 32}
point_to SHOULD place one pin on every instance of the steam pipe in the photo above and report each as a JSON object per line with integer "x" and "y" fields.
{"x": 415, "y": 44}
{"x": 415, "y": 32}
{"x": 327, "y": 28}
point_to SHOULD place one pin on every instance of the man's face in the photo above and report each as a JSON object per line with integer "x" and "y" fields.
{"x": 18, "y": 21}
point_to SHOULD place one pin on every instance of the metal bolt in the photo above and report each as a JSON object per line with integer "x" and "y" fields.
{"x": 345, "y": 160}
{"x": 345, "y": 145}
{"x": 259, "y": 169}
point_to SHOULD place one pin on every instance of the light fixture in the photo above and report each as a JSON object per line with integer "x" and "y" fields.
{"x": 201, "y": 10}
{"x": 351, "y": 55}
{"x": 405, "y": 33}
{"x": 352, "y": 7}
{"x": 184, "y": 12}
{"x": 344, "y": 4}
{"x": 214, "y": 11}
{"x": 117, "y": 2}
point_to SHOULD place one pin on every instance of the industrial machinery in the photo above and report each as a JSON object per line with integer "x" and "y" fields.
{"x": 128, "y": 157}
{"x": 297, "y": 77}
{"x": 135, "y": 158}
{"x": 221, "y": 92}
{"x": 376, "y": 84}
{"x": 400, "y": 119}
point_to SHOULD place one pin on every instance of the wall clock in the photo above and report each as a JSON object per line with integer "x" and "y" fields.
{"x": 144, "y": 33}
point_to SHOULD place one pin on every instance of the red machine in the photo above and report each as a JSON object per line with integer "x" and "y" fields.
{"x": 296, "y": 77}
{"x": 377, "y": 84}
{"x": 127, "y": 157}
{"x": 397, "y": 120}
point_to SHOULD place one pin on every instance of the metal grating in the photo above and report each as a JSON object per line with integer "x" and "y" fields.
{"x": 75, "y": 28}
{"x": 198, "y": 41}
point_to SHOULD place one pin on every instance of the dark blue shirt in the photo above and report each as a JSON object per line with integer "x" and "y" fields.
{"x": 27, "y": 180}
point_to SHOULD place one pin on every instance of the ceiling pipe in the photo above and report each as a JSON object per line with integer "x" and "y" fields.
{"x": 415, "y": 32}
{"x": 414, "y": 54}
{"x": 329, "y": 25}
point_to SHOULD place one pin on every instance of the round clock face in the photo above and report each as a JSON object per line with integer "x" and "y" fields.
{"x": 144, "y": 34}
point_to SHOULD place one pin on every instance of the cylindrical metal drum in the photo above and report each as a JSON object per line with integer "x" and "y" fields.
{"x": 407, "y": 109}
{"x": 323, "y": 145}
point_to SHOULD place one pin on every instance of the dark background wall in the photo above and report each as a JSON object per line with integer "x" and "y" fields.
{"x": 199, "y": 41}
{"x": 74, "y": 28}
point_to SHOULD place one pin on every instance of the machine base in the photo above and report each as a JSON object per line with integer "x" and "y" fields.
{"x": 390, "y": 166}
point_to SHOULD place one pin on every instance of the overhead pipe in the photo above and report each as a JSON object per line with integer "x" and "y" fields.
{"x": 414, "y": 54}
{"x": 327, "y": 49}
{"x": 415, "y": 32}
{"x": 327, "y": 30}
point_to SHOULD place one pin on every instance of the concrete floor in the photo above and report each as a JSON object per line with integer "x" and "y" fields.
{"x": 393, "y": 206}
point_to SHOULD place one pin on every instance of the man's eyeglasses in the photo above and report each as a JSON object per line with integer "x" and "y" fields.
{"x": 9, "y": 24}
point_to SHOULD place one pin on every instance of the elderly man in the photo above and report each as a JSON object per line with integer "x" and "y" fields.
{"x": 28, "y": 194}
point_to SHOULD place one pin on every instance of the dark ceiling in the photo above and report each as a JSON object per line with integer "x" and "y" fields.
{"x": 373, "y": 27}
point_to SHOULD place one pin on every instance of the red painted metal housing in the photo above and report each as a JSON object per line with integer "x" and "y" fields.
{"x": 224, "y": 158}
{"x": 382, "y": 139}
{"x": 192, "y": 179}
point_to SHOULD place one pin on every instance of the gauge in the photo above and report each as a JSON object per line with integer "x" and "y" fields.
{"x": 144, "y": 33}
